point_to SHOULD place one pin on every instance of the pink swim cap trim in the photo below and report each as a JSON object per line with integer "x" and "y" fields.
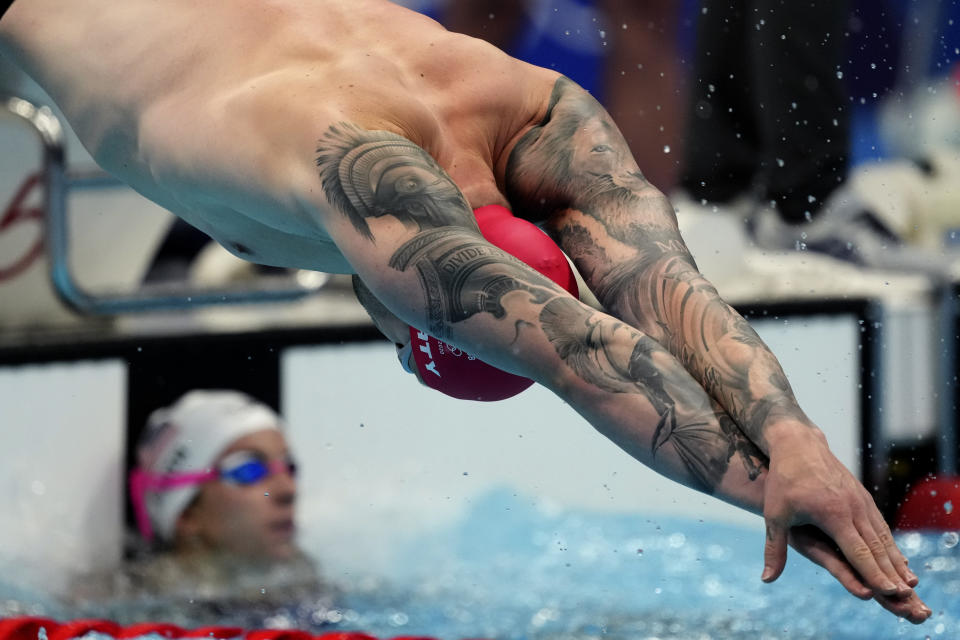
{"x": 461, "y": 375}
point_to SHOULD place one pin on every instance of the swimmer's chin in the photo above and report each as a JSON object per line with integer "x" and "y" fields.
{"x": 282, "y": 535}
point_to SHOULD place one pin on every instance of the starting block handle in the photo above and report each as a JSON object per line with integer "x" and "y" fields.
{"x": 58, "y": 183}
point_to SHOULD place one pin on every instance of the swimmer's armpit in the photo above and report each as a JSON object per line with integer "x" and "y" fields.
{"x": 370, "y": 174}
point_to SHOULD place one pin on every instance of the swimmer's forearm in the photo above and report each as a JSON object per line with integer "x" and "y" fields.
{"x": 637, "y": 394}
{"x": 622, "y": 234}
{"x": 624, "y": 239}
{"x": 664, "y": 294}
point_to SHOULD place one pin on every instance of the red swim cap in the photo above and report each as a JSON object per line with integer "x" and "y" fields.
{"x": 461, "y": 375}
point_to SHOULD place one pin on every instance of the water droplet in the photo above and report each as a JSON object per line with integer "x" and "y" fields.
{"x": 840, "y": 74}
{"x": 780, "y": 162}
{"x": 266, "y": 494}
{"x": 666, "y": 148}
{"x": 948, "y": 507}
{"x": 949, "y": 539}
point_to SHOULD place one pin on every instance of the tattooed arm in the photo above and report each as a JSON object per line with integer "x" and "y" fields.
{"x": 412, "y": 238}
{"x": 575, "y": 171}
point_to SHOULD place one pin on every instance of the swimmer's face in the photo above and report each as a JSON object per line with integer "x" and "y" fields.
{"x": 255, "y": 521}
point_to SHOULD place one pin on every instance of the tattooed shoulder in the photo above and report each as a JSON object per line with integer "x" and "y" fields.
{"x": 574, "y": 152}
{"x": 370, "y": 174}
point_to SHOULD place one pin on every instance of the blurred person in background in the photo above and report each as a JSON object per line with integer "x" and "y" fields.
{"x": 214, "y": 497}
{"x": 640, "y": 81}
{"x": 768, "y": 133}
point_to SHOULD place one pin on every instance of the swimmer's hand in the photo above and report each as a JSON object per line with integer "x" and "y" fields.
{"x": 817, "y": 547}
{"x": 807, "y": 485}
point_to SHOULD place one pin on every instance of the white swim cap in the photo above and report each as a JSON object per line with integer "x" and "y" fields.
{"x": 189, "y": 436}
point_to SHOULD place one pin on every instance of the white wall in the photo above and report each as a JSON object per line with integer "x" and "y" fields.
{"x": 61, "y": 466}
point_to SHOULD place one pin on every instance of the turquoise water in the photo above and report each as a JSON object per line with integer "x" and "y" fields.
{"x": 514, "y": 568}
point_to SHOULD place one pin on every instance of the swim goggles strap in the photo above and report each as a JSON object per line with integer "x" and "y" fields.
{"x": 142, "y": 481}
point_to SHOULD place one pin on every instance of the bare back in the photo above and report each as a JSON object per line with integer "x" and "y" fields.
{"x": 214, "y": 109}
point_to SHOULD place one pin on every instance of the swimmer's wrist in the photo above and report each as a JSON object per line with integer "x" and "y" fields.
{"x": 790, "y": 433}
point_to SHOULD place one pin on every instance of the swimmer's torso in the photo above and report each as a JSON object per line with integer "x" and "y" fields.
{"x": 214, "y": 110}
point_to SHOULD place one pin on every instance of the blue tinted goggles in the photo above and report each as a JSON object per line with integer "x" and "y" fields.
{"x": 250, "y": 467}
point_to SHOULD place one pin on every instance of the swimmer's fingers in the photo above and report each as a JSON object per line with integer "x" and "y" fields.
{"x": 814, "y": 545}
{"x": 864, "y": 550}
{"x": 817, "y": 547}
{"x": 896, "y": 557}
{"x": 774, "y": 550}
{"x": 910, "y": 607}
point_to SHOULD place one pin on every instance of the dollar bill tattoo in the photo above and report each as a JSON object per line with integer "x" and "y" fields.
{"x": 462, "y": 276}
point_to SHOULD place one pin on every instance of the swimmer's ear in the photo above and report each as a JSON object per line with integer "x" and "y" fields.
{"x": 186, "y": 529}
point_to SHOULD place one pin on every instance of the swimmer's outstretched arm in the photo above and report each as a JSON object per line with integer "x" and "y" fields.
{"x": 411, "y": 236}
{"x": 575, "y": 169}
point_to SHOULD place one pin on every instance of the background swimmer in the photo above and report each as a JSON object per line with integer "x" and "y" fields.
{"x": 214, "y": 494}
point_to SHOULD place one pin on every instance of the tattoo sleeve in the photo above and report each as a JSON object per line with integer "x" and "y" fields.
{"x": 576, "y": 171}
{"x": 487, "y": 302}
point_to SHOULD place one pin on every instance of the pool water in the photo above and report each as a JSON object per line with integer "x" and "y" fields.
{"x": 516, "y": 568}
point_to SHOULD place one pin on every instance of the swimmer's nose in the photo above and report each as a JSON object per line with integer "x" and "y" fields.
{"x": 283, "y": 487}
